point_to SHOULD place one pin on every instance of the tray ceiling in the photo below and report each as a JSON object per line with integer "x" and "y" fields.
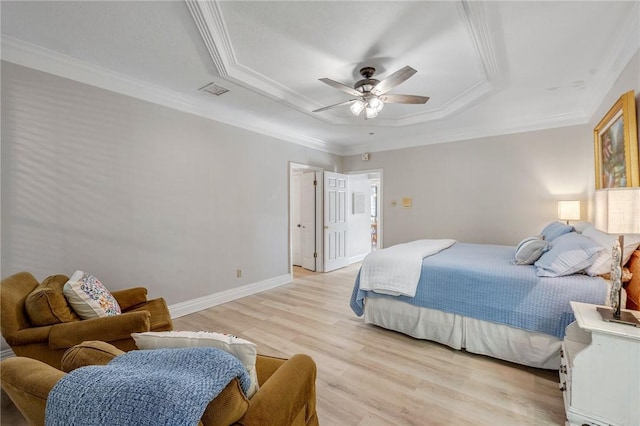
{"x": 488, "y": 67}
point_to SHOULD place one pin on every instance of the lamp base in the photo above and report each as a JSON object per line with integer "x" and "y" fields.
{"x": 624, "y": 318}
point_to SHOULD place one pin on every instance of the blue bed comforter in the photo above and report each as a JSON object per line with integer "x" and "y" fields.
{"x": 479, "y": 281}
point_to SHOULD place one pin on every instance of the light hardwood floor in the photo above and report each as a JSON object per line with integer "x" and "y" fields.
{"x": 371, "y": 376}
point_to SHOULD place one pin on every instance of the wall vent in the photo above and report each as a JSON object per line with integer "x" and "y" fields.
{"x": 214, "y": 89}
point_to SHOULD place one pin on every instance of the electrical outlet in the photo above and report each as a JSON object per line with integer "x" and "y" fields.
{"x": 239, "y": 273}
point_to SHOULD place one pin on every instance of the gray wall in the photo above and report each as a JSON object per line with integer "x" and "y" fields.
{"x": 495, "y": 189}
{"x": 139, "y": 194}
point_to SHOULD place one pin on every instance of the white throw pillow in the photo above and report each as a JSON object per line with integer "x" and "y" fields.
{"x": 602, "y": 263}
{"x": 529, "y": 250}
{"x": 242, "y": 349}
{"x": 88, "y": 297}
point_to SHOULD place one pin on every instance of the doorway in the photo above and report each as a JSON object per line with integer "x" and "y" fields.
{"x": 365, "y": 228}
{"x": 305, "y": 217}
{"x": 307, "y": 229}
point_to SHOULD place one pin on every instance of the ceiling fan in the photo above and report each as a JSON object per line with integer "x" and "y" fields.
{"x": 370, "y": 94}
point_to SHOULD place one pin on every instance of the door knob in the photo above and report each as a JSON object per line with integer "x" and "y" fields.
{"x": 299, "y": 225}
{"x": 326, "y": 227}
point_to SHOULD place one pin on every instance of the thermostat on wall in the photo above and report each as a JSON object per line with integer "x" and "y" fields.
{"x": 365, "y": 156}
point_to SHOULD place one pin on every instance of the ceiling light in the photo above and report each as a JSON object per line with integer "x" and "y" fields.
{"x": 371, "y": 112}
{"x": 357, "y": 107}
{"x": 376, "y": 103}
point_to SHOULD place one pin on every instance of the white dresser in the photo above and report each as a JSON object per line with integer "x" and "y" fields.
{"x": 600, "y": 370}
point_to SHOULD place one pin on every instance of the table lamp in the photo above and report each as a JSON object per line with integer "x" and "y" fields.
{"x": 568, "y": 210}
{"x": 617, "y": 212}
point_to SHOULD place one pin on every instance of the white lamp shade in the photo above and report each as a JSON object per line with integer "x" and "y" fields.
{"x": 618, "y": 210}
{"x": 569, "y": 210}
{"x": 357, "y": 107}
{"x": 376, "y": 103}
{"x": 371, "y": 112}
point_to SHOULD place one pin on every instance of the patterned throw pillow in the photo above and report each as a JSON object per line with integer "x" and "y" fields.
{"x": 89, "y": 298}
{"x": 240, "y": 348}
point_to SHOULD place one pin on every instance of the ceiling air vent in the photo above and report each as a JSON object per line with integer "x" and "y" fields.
{"x": 214, "y": 89}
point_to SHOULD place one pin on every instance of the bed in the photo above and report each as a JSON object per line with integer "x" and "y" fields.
{"x": 475, "y": 297}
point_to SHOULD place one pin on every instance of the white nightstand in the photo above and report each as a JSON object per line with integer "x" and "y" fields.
{"x": 600, "y": 370}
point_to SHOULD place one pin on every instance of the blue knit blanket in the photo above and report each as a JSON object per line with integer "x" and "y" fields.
{"x": 145, "y": 387}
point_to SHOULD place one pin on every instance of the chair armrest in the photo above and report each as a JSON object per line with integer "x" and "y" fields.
{"x": 27, "y": 336}
{"x": 289, "y": 390}
{"x": 28, "y": 382}
{"x": 107, "y": 329}
{"x": 130, "y": 297}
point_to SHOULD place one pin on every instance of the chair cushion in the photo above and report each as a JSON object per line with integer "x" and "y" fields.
{"x": 46, "y": 305}
{"x": 89, "y": 298}
{"x": 240, "y": 348}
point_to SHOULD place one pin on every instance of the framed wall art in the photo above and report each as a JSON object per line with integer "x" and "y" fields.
{"x": 616, "y": 146}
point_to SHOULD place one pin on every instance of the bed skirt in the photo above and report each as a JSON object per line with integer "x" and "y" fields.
{"x": 476, "y": 336}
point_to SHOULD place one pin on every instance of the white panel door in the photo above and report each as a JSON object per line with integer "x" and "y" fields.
{"x": 335, "y": 221}
{"x": 308, "y": 220}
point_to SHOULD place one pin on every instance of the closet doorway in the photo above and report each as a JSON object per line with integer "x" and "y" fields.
{"x": 305, "y": 216}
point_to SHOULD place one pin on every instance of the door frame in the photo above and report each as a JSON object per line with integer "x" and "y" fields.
{"x": 319, "y": 248}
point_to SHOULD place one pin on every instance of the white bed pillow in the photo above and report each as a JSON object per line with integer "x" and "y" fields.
{"x": 602, "y": 263}
{"x": 242, "y": 349}
{"x": 529, "y": 250}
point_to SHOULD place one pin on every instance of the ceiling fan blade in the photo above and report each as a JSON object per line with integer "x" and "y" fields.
{"x": 341, "y": 86}
{"x": 404, "y": 99}
{"x": 393, "y": 80}
{"x": 335, "y": 105}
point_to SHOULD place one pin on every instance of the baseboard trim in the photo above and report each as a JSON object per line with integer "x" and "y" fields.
{"x": 194, "y": 305}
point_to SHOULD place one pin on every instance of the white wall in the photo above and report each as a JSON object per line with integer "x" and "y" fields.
{"x": 139, "y": 194}
{"x": 494, "y": 189}
{"x": 359, "y": 237}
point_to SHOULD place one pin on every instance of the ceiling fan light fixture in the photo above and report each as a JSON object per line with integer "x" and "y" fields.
{"x": 371, "y": 112}
{"x": 371, "y": 94}
{"x": 376, "y": 103}
{"x": 357, "y": 107}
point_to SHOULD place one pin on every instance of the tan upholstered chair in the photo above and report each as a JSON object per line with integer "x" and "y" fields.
{"x": 64, "y": 329}
{"x": 287, "y": 393}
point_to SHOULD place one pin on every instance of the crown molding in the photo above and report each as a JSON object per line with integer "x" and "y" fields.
{"x": 621, "y": 52}
{"x": 48, "y": 61}
{"x": 211, "y": 25}
{"x": 213, "y": 29}
{"x": 467, "y": 133}
{"x": 623, "y": 48}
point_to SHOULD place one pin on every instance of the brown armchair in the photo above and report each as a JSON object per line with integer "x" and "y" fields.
{"x": 65, "y": 329}
{"x": 287, "y": 394}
